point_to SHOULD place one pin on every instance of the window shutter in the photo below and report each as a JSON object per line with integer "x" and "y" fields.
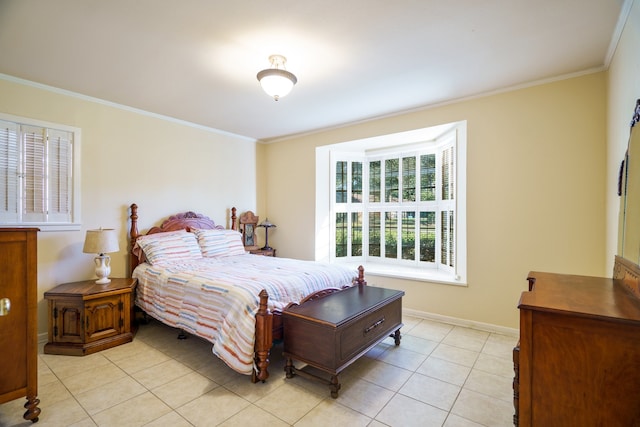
{"x": 60, "y": 178}
{"x": 8, "y": 172}
{"x": 33, "y": 173}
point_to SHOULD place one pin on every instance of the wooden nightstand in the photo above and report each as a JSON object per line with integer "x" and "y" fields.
{"x": 265, "y": 252}
{"x": 85, "y": 318}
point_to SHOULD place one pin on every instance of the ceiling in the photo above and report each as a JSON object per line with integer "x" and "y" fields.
{"x": 197, "y": 60}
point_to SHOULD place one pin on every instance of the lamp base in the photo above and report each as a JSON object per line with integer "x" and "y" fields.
{"x": 103, "y": 269}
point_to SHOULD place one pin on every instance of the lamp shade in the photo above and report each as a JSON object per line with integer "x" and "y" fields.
{"x": 102, "y": 241}
{"x": 276, "y": 81}
{"x": 266, "y": 224}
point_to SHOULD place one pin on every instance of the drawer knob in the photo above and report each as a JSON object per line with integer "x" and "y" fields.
{"x": 375, "y": 325}
{"x": 5, "y": 306}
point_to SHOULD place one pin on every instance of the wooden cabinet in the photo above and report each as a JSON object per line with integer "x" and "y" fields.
{"x": 265, "y": 252}
{"x": 85, "y": 317}
{"x": 18, "y": 318}
{"x": 577, "y": 363}
{"x": 332, "y": 332}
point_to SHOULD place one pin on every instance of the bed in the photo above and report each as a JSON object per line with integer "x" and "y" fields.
{"x": 195, "y": 275}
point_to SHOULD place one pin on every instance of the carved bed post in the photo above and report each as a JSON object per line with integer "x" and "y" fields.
{"x": 133, "y": 235}
{"x": 234, "y": 225}
{"x": 264, "y": 339}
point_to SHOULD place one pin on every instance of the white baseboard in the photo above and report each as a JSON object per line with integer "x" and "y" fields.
{"x": 488, "y": 327}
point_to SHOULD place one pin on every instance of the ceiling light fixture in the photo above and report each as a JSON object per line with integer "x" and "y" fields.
{"x": 276, "y": 81}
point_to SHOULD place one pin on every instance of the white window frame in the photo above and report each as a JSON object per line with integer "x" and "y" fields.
{"x": 47, "y": 220}
{"x": 385, "y": 146}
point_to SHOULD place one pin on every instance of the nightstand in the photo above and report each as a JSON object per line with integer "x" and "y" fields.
{"x": 265, "y": 252}
{"x": 85, "y": 317}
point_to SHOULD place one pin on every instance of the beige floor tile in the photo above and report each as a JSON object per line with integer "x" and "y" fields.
{"x": 454, "y": 420}
{"x": 417, "y": 344}
{"x": 409, "y": 322}
{"x": 431, "y": 391}
{"x": 136, "y": 411}
{"x": 172, "y": 419}
{"x": 364, "y": 397}
{"x": 101, "y": 398}
{"x": 143, "y": 360}
{"x": 11, "y": 413}
{"x": 431, "y": 330}
{"x": 93, "y": 378}
{"x": 184, "y": 389}
{"x": 217, "y": 371}
{"x": 385, "y": 375}
{"x": 403, "y": 411}
{"x": 86, "y": 422}
{"x": 495, "y": 365}
{"x": 402, "y": 358}
{"x": 483, "y": 409}
{"x": 61, "y": 413}
{"x": 66, "y": 366}
{"x": 213, "y": 408}
{"x": 252, "y": 415}
{"x": 500, "y": 345}
{"x": 444, "y": 370}
{"x": 331, "y": 413}
{"x": 126, "y": 351}
{"x": 252, "y": 392}
{"x": 490, "y": 384}
{"x": 52, "y": 393}
{"x": 470, "y": 339}
{"x": 161, "y": 373}
{"x": 457, "y": 355}
{"x": 280, "y": 402}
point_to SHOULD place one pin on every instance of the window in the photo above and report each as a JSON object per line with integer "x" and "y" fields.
{"x": 396, "y": 204}
{"x": 39, "y": 182}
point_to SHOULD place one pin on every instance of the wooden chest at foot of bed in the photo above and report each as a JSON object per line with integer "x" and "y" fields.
{"x": 332, "y": 332}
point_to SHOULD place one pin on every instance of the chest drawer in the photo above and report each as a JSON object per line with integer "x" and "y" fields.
{"x": 361, "y": 333}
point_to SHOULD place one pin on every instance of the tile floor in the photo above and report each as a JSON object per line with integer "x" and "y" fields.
{"x": 440, "y": 375}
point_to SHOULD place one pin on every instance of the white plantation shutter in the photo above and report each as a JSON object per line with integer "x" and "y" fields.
{"x": 9, "y": 161}
{"x": 33, "y": 174}
{"x": 60, "y": 177}
{"x": 38, "y": 186}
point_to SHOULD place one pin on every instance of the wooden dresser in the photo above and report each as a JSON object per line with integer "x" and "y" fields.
{"x": 18, "y": 318}
{"x": 331, "y": 332}
{"x": 578, "y": 359}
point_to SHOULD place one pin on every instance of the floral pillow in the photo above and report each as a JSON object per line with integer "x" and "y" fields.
{"x": 179, "y": 245}
{"x": 218, "y": 243}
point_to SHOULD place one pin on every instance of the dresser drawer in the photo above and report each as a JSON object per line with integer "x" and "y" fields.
{"x": 358, "y": 335}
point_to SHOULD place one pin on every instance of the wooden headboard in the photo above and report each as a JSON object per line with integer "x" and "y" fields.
{"x": 182, "y": 221}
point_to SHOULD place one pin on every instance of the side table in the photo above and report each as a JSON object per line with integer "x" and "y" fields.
{"x": 85, "y": 317}
{"x": 263, "y": 251}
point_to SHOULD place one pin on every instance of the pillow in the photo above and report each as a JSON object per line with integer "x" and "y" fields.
{"x": 218, "y": 243}
{"x": 171, "y": 246}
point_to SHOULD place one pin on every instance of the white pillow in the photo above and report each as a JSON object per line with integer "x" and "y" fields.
{"x": 219, "y": 243}
{"x": 170, "y": 246}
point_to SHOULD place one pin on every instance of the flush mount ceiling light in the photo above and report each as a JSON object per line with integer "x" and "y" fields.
{"x": 277, "y": 81}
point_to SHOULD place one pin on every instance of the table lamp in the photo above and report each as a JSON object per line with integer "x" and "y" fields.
{"x": 101, "y": 242}
{"x": 267, "y": 225}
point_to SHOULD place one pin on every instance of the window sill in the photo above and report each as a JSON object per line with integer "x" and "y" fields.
{"x": 47, "y": 227}
{"x": 408, "y": 273}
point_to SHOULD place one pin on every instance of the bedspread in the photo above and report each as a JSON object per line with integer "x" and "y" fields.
{"x": 217, "y": 298}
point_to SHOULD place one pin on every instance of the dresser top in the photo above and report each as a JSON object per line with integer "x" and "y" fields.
{"x": 340, "y": 307}
{"x": 582, "y": 295}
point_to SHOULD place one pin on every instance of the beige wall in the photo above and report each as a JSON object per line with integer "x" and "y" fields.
{"x": 127, "y": 157}
{"x": 535, "y": 186}
{"x": 623, "y": 82}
